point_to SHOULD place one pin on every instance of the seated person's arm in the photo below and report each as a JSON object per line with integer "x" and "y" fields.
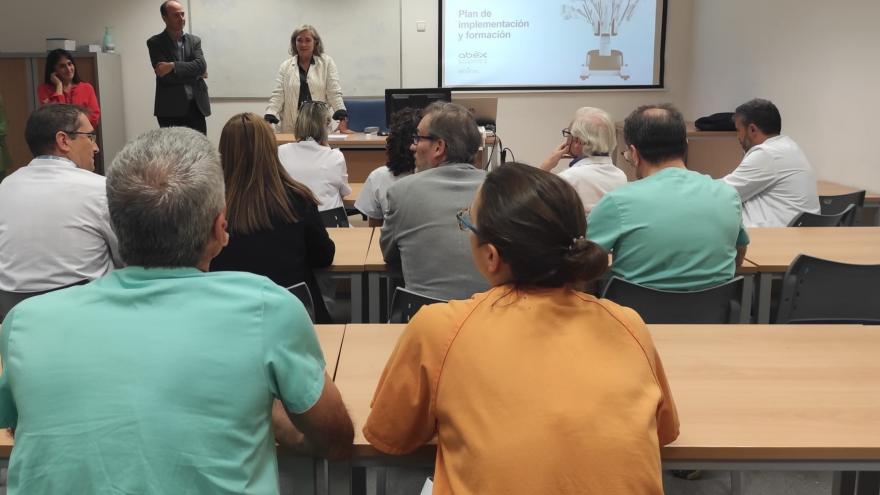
{"x": 324, "y": 430}
{"x": 752, "y": 176}
{"x": 388, "y": 239}
{"x": 552, "y": 160}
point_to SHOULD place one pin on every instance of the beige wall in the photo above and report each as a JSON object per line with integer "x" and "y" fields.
{"x": 817, "y": 60}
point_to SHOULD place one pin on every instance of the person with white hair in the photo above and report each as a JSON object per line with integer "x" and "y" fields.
{"x": 590, "y": 139}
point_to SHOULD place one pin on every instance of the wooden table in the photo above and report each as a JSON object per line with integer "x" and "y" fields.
{"x": 772, "y": 249}
{"x": 800, "y": 397}
{"x": 376, "y": 269}
{"x": 351, "y": 251}
{"x": 828, "y": 188}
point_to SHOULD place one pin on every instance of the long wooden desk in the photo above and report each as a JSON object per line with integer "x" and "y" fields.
{"x": 802, "y": 397}
{"x": 772, "y": 249}
{"x": 351, "y": 251}
{"x": 376, "y": 268}
{"x": 828, "y": 188}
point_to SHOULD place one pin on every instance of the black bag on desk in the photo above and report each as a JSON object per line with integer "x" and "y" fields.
{"x": 716, "y": 122}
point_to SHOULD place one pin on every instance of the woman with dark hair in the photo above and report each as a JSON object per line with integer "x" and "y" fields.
{"x": 273, "y": 220}
{"x": 372, "y": 201}
{"x": 531, "y": 387}
{"x": 61, "y": 84}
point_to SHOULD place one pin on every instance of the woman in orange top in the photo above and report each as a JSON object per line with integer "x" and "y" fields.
{"x": 61, "y": 84}
{"x": 531, "y": 387}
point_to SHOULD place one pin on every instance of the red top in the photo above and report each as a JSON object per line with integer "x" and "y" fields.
{"x": 82, "y": 94}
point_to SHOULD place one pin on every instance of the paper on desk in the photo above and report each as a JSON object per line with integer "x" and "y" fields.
{"x": 336, "y": 137}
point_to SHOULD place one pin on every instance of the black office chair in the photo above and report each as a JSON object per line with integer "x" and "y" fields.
{"x": 405, "y": 303}
{"x": 822, "y": 291}
{"x": 719, "y": 304}
{"x": 336, "y": 217}
{"x": 831, "y": 205}
{"x": 9, "y": 299}
{"x": 365, "y": 112}
{"x": 805, "y": 219}
{"x": 302, "y": 292}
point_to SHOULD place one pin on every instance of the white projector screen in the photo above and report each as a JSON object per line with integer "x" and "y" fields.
{"x": 551, "y": 44}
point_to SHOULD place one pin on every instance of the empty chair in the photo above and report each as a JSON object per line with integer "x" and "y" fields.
{"x": 822, "y": 291}
{"x": 337, "y": 217}
{"x": 837, "y": 220}
{"x": 831, "y": 205}
{"x": 367, "y": 112}
{"x": 719, "y": 304}
{"x": 302, "y": 292}
{"x": 405, "y": 303}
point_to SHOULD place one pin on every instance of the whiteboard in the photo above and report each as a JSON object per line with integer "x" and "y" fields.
{"x": 245, "y": 41}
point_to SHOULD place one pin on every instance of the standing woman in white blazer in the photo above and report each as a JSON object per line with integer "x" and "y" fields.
{"x": 309, "y": 75}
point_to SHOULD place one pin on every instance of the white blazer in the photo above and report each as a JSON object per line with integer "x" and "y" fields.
{"x": 323, "y": 85}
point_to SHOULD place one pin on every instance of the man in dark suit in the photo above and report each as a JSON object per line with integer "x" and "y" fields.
{"x": 177, "y": 59}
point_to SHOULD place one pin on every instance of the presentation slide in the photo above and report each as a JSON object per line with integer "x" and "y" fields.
{"x": 551, "y": 44}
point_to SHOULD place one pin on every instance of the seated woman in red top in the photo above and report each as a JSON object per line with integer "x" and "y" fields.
{"x": 61, "y": 84}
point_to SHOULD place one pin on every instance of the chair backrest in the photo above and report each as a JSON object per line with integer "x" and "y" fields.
{"x": 822, "y": 291}
{"x": 719, "y": 304}
{"x": 302, "y": 292}
{"x": 805, "y": 219}
{"x": 405, "y": 303}
{"x": 9, "y": 299}
{"x": 363, "y": 113}
{"x": 335, "y": 217}
{"x": 831, "y": 205}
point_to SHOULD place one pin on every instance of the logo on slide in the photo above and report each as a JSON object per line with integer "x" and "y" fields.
{"x": 475, "y": 57}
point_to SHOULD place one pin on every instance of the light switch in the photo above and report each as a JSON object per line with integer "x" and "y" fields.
{"x": 420, "y": 26}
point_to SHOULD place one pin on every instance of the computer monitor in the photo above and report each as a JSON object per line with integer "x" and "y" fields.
{"x": 398, "y": 99}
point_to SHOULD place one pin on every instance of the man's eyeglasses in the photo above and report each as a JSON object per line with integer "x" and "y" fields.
{"x": 566, "y": 133}
{"x": 464, "y": 221}
{"x": 416, "y": 138}
{"x": 93, "y": 135}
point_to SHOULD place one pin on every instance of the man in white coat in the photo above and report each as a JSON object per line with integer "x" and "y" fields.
{"x": 774, "y": 179}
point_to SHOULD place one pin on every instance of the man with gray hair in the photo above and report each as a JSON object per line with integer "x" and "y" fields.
{"x": 420, "y": 230}
{"x": 590, "y": 139}
{"x": 165, "y": 373}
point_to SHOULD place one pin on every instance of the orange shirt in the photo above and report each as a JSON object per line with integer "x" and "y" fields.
{"x": 539, "y": 391}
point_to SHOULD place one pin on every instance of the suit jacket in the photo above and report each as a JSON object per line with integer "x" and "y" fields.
{"x": 421, "y": 232}
{"x": 171, "y": 98}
